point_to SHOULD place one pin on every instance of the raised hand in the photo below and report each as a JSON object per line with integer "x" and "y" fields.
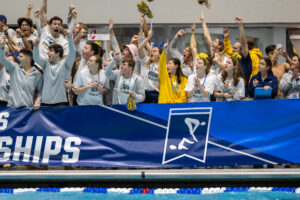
{"x": 239, "y": 20}
{"x": 226, "y": 33}
{"x": 71, "y": 8}
{"x": 67, "y": 32}
{"x": 30, "y": 6}
{"x": 74, "y": 14}
{"x": 181, "y": 33}
{"x": 117, "y": 55}
{"x": 18, "y": 31}
{"x": 37, "y": 14}
{"x": 202, "y": 18}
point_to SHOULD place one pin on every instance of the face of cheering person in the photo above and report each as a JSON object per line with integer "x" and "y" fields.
{"x": 154, "y": 54}
{"x": 200, "y": 67}
{"x": 295, "y": 62}
{"x": 87, "y": 52}
{"x": 171, "y": 67}
{"x": 55, "y": 28}
{"x": 92, "y": 64}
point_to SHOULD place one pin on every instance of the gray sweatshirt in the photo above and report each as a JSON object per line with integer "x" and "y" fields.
{"x": 136, "y": 84}
{"x": 55, "y": 75}
{"x": 22, "y": 86}
{"x": 288, "y": 86}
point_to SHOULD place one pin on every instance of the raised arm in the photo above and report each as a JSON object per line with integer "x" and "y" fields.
{"x": 174, "y": 52}
{"x": 206, "y": 32}
{"x": 113, "y": 39}
{"x": 193, "y": 41}
{"x": 28, "y": 11}
{"x": 10, "y": 66}
{"x": 43, "y": 16}
{"x": 36, "y": 54}
{"x": 10, "y": 42}
{"x": 71, "y": 55}
{"x": 24, "y": 39}
{"x": 142, "y": 52}
{"x": 109, "y": 70}
{"x": 72, "y": 17}
{"x": 243, "y": 37}
{"x": 37, "y": 21}
{"x": 227, "y": 43}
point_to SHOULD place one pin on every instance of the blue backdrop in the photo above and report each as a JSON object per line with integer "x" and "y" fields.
{"x": 154, "y": 135}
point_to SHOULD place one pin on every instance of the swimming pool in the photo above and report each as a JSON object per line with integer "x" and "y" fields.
{"x": 263, "y": 193}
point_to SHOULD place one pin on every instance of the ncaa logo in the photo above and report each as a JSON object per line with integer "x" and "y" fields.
{"x": 187, "y": 134}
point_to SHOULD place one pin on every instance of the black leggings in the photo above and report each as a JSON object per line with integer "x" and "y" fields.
{"x": 151, "y": 96}
{"x": 3, "y": 103}
{"x": 56, "y": 104}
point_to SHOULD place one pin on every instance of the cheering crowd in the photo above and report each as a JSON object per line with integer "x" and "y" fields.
{"x": 51, "y": 66}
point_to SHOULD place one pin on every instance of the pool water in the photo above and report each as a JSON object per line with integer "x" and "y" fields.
{"x": 112, "y": 196}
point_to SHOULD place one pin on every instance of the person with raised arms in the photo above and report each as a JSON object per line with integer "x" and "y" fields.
{"x": 126, "y": 82}
{"x": 50, "y": 34}
{"x": 24, "y": 79}
{"x": 186, "y": 58}
{"x": 172, "y": 82}
{"x": 217, "y": 49}
{"x": 149, "y": 67}
{"x": 201, "y": 83}
{"x": 56, "y": 70}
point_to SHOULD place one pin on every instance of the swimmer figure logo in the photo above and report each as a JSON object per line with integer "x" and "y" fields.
{"x": 187, "y": 134}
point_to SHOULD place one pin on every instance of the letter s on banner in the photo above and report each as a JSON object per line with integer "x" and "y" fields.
{"x": 3, "y": 121}
{"x": 74, "y": 150}
{"x": 8, "y": 141}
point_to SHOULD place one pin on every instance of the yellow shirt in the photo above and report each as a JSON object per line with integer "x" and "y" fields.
{"x": 167, "y": 93}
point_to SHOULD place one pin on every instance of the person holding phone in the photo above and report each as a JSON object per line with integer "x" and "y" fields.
{"x": 264, "y": 79}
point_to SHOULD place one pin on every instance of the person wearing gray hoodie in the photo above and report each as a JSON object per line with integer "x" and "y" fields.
{"x": 56, "y": 70}
{"x": 24, "y": 79}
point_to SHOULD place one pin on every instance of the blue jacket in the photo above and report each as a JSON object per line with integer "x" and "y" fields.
{"x": 271, "y": 81}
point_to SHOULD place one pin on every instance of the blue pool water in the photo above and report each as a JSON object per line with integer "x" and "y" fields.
{"x": 111, "y": 196}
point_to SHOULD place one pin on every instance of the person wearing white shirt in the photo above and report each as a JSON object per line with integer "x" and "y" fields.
{"x": 201, "y": 84}
{"x": 230, "y": 84}
{"x": 91, "y": 83}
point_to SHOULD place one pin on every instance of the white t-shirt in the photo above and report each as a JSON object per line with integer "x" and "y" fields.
{"x": 4, "y": 84}
{"x": 47, "y": 40}
{"x": 207, "y": 82}
{"x": 20, "y": 42}
{"x": 91, "y": 96}
{"x": 124, "y": 87}
{"x": 228, "y": 87}
{"x": 150, "y": 75}
{"x": 11, "y": 32}
{"x": 215, "y": 68}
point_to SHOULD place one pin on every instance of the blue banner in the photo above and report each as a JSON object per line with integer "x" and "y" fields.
{"x": 154, "y": 135}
